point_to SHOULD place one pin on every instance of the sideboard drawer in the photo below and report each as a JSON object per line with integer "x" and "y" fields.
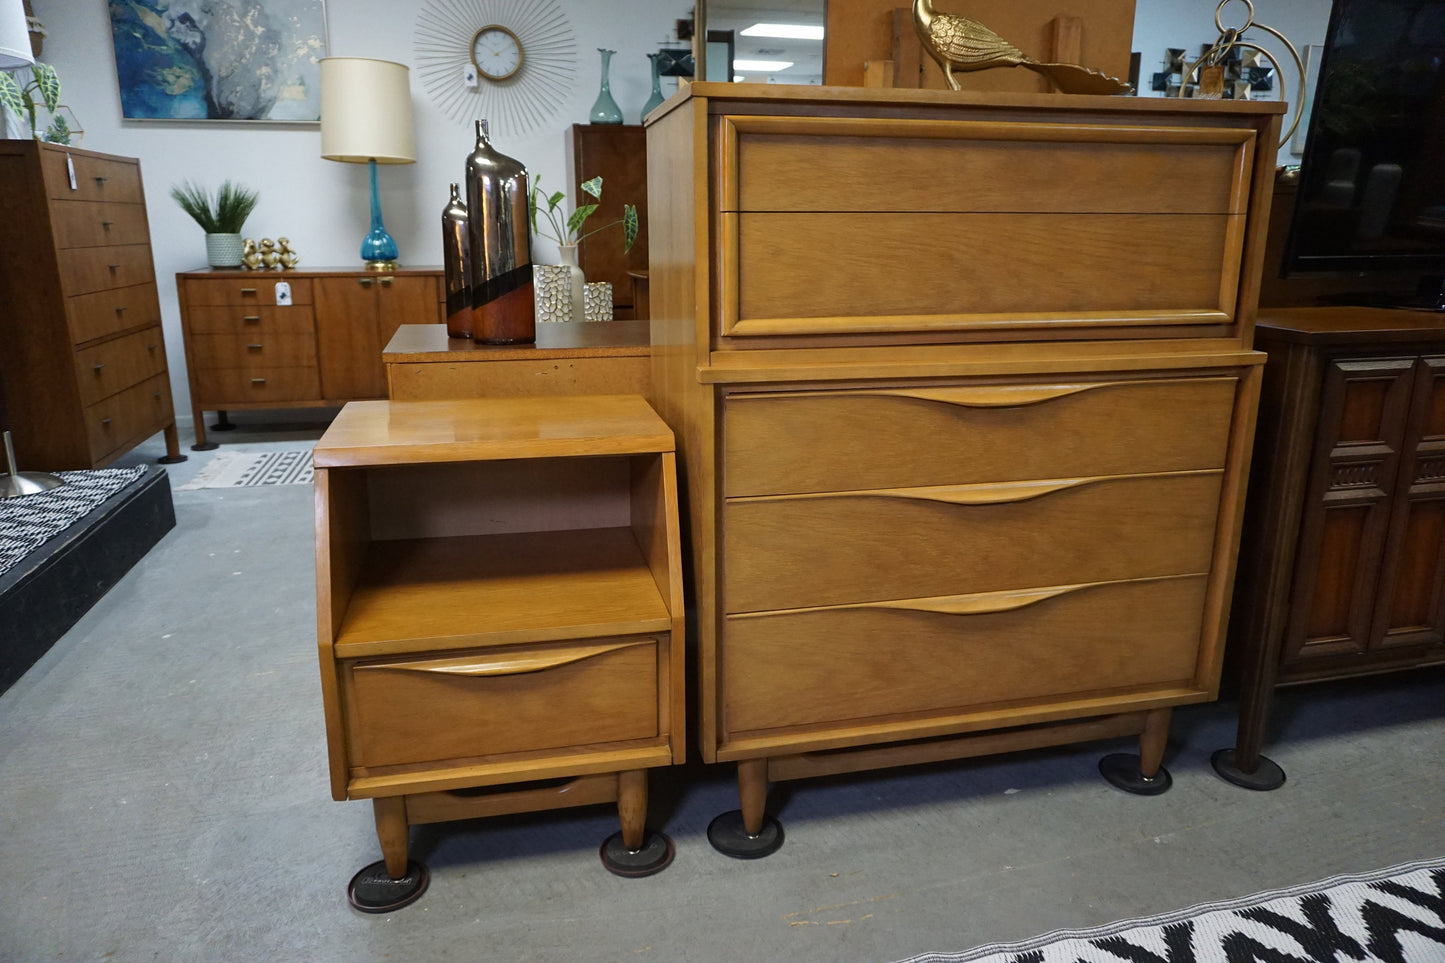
{"x": 929, "y": 655}
{"x": 118, "y": 419}
{"x": 812, "y": 441}
{"x": 87, "y": 269}
{"x": 96, "y": 178}
{"x": 106, "y": 312}
{"x": 808, "y": 550}
{"x": 250, "y": 320}
{"x": 504, "y": 700}
{"x": 112, "y": 366}
{"x": 253, "y": 351}
{"x": 223, "y": 386}
{"x": 98, "y": 223}
{"x": 256, "y": 289}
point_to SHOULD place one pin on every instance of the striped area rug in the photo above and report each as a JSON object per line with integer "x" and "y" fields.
{"x": 236, "y": 469}
{"x": 1394, "y": 915}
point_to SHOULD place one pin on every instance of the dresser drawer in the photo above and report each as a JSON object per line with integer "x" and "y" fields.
{"x": 253, "y": 352}
{"x": 505, "y": 700}
{"x": 109, "y": 367}
{"x": 103, "y": 313}
{"x": 814, "y": 441}
{"x": 805, "y": 550}
{"x": 255, "y": 289}
{"x": 137, "y": 411}
{"x": 96, "y": 178}
{"x": 222, "y": 386}
{"x": 250, "y": 320}
{"x": 87, "y": 269}
{"x": 957, "y": 654}
{"x": 98, "y": 223}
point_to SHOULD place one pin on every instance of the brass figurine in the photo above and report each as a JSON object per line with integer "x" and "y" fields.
{"x": 958, "y": 43}
{"x": 289, "y": 257}
{"x": 269, "y": 257}
{"x": 250, "y": 256}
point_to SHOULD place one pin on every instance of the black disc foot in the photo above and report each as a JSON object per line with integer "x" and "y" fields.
{"x": 729, "y": 837}
{"x": 1122, "y": 771}
{"x": 172, "y": 459}
{"x": 654, "y": 856}
{"x": 222, "y": 426}
{"x": 1266, "y": 776}
{"x": 374, "y": 891}
{"x": 208, "y": 446}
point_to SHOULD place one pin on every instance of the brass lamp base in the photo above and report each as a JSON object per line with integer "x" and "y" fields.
{"x": 381, "y": 265}
{"x": 17, "y": 484}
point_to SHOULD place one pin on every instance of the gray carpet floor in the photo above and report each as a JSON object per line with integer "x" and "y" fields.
{"x": 163, "y": 796}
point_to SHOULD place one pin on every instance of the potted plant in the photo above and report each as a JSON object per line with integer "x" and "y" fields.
{"x": 21, "y": 100}
{"x": 221, "y": 217}
{"x": 547, "y": 220}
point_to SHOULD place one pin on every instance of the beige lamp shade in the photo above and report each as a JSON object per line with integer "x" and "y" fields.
{"x": 365, "y": 111}
{"x": 14, "y": 36}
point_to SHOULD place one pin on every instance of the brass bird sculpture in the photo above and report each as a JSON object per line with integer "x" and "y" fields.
{"x": 958, "y": 43}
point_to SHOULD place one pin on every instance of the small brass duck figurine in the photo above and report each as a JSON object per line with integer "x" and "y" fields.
{"x": 958, "y": 43}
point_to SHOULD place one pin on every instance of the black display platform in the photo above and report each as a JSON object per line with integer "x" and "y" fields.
{"x": 52, "y": 587}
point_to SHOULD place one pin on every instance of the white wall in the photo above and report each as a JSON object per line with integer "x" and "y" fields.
{"x": 322, "y": 206}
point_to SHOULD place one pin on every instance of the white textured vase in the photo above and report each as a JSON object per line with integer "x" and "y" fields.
{"x": 223, "y": 250}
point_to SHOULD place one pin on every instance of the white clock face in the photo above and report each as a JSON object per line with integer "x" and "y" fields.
{"x": 497, "y": 52}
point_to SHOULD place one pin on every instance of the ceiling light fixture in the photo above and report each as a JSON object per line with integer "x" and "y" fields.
{"x": 761, "y": 66}
{"x": 786, "y": 31}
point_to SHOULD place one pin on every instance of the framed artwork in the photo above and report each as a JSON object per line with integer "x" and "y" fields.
{"x": 222, "y": 60}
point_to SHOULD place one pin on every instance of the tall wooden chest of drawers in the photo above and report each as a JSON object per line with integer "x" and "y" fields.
{"x": 82, "y": 359}
{"x": 964, "y": 392}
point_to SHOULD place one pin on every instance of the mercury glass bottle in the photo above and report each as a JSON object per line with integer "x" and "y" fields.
{"x": 604, "y": 108}
{"x": 503, "y": 311}
{"x": 656, "y": 98}
{"x": 456, "y": 258}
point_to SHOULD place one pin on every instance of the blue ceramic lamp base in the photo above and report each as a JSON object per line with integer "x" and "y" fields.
{"x": 378, "y": 249}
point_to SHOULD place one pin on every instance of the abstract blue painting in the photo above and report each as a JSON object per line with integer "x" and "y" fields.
{"x": 219, "y": 59}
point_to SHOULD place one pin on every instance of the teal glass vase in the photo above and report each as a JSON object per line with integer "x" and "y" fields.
{"x": 604, "y": 108}
{"x": 656, "y": 98}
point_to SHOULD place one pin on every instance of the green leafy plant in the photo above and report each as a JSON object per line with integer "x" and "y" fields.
{"x": 550, "y": 223}
{"x": 20, "y": 98}
{"x": 225, "y": 213}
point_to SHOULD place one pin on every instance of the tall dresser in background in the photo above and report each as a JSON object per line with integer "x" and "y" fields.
{"x": 82, "y": 361}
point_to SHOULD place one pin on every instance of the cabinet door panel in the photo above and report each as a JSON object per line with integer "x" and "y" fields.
{"x": 355, "y": 318}
{"x": 1363, "y": 418}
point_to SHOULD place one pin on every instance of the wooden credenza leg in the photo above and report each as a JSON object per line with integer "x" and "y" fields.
{"x": 173, "y": 446}
{"x": 635, "y": 850}
{"x": 748, "y": 832}
{"x": 1144, "y": 774}
{"x": 395, "y": 881}
{"x": 1245, "y": 765}
{"x": 198, "y": 419}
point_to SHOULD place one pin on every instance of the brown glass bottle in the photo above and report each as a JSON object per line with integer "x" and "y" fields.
{"x": 503, "y": 311}
{"x": 456, "y": 258}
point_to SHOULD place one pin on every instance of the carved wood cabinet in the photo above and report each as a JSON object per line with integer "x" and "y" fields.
{"x": 1343, "y": 566}
{"x": 965, "y": 425}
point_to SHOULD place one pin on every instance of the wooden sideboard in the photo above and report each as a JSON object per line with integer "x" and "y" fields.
{"x": 1343, "y": 567}
{"x": 499, "y": 605}
{"x": 83, "y": 376}
{"x": 964, "y": 396}
{"x": 603, "y": 357}
{"x": 316, "y": 342}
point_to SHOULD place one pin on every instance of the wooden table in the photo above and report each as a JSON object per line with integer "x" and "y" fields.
{"x": 604, "y": 357}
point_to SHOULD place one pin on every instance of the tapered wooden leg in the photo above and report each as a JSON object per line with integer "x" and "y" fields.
{"x": 748, "y": 832}
{"x": 173, "y": 446}
{"x": 635, "y": 851}
{"x": 395, "y": 881}
{"x": 1142, "y": 775}
{"x": 198, "y": 418}
{"x": 1245, "y": 765}
{"x": 1152, "y": 740}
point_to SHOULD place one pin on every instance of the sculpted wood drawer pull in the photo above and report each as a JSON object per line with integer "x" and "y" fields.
{"x": 504, "y": 663}
{"x": 996, "y": 396}
{"x": 992, "y": 494}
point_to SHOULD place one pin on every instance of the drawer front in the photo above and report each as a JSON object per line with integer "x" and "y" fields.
{"x": 813, "y": 441}
{"x": 222, "y": 386}
{"x": 250, "y": 320}
{"x": 500, "y": 701}
{"x": 87, "y": 269}
{"x": 96, "y": 178}
{"x": 98, "y": 223}
{"x": 137, "y": 411}
{"x": 253, "y": 353}
{"x": 104, "y": 313}
{"x": 806, "y": 550}
{"x": 862, "y": 226}
{"x": 104, "y": 369}
{"x": 256, "y": 289}
{"x": 957, "y": 654}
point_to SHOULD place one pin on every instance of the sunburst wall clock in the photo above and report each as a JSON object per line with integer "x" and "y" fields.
{"x": 512, "y": 63}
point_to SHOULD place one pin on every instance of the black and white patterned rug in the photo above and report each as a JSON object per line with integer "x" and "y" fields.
{"x": 1394, "y": 915}
{"x": 241, "y": 469}
{"x": 29, "y": 522}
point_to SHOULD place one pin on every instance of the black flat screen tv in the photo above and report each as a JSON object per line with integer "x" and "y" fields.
{"x": 1371, "y": 194}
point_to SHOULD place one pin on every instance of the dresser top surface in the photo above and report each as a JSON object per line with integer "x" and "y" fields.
{"x": 1349, "y": 325}
{"x": 423, "y": 343}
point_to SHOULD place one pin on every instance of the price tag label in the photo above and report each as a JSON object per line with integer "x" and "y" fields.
{"x": 283, "y": 294}
{"x": 70, "y": 171}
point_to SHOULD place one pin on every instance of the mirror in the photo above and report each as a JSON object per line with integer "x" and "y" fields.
{"x": 763, "y": 41}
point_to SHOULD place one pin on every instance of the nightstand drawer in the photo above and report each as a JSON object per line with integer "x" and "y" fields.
{"x": 962, "y": 653}
{"x": 813, "y": 441}
{"x": 117, "y": 420}
{"x": 222, "y": 386}
{"x": 250, "y": 320}
{"x": 256, "y": 288}
{"x": 807, "y": 550}
{"x": 253, "y": 352}
{"x": 113, "y": 366}
{"x": 101, "y": 313}
{"x": 96, "y": 178}
{"x": 500, "y": 700}
{"x": 98, "y": 223}
{"x": 87, "y": 269}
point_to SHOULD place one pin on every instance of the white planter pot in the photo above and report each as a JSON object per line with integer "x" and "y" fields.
{"x": 223, "y": 250}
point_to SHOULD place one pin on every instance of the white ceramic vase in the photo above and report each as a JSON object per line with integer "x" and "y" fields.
{"x": 223, "y": 250}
